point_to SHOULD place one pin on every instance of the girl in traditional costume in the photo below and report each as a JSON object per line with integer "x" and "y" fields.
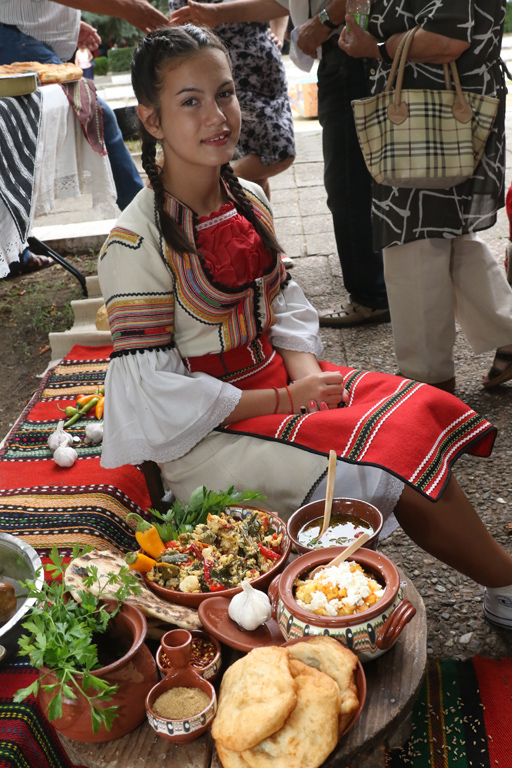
{"x": 214, "y": 373}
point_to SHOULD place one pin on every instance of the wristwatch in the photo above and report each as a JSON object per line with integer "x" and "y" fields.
{"x": 324, "y": 18}
{"x": 384, "y": 52}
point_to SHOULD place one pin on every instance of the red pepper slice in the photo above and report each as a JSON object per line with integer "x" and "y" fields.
{"x": 268, "y": 552}
{"x": 214, "y": 586}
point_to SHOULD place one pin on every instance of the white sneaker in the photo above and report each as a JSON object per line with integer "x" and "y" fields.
{"x": 498, "y": 606}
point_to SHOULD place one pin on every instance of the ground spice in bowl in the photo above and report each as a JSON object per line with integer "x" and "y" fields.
{"x": 181, "y": 703}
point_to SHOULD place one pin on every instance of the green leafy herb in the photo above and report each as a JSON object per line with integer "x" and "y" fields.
{"x": 183, "y": 518}
{"x": 61, "y": 636}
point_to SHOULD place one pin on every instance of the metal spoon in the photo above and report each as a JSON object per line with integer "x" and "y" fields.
{"x": 329, "y": 493}
{"x": 362, "y": 539}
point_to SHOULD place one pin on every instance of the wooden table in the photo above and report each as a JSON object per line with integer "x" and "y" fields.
{"x": 393, "y": 680}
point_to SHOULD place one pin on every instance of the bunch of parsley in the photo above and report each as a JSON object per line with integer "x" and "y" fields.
{"x": 183, "y": 518}
{"x": 60, "y": 636}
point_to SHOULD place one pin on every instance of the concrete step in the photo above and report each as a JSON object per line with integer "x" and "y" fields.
{"x": 85, "y": 310}
{"x": 87, "y": 335}
{"x": 66, "y": 238}
{"x": 93, "y": 287}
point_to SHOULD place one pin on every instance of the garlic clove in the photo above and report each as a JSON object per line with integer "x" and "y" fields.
{"x": 93, "y": 433}
{"x": 59, "y": 437}
{"x": 65, "y": 456}
{"x": 250, "y": 608}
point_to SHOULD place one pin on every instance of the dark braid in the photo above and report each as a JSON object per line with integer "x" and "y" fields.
{"x": 173, "y": 234}
{"x": 244, "y": 206}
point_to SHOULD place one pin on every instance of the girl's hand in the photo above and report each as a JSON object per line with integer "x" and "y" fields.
{"x": 318, "y": 391}
{"x": 202, "y": 14}
{"x": 358, "y": 43}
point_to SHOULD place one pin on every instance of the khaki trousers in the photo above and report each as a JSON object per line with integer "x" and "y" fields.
{"x": 433, "y": 282}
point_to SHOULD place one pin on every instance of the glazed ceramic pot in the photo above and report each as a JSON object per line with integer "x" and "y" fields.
{"x": 193, "y": 599}
{"x": 208, "y": 672}
{"x": 369, "y": 633}
{"x": 135, "y": 674}
{"x": 177, "y": 645}
{"x": 315, "y": 511}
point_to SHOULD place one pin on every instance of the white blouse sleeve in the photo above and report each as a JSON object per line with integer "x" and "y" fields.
{"x": 296, "y": 327}
{"x": 155, "y": 410}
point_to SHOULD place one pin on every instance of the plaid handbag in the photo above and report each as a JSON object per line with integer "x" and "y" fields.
{"x": 423, "y": 138}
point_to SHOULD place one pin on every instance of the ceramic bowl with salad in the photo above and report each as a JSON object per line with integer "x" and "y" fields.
{"x": 349, "y": 519}
{"x": 210, "y": 546}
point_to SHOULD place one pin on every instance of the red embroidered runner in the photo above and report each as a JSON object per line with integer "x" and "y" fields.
{"x": 45, "y": 505}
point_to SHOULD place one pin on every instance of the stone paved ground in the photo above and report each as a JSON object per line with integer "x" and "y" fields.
{"x": 453, "y": 602}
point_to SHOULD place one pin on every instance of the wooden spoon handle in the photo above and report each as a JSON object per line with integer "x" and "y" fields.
{"x": 329, "y": 493}
{"x": 340, "y": 558}
{"x": 362, "y": 539}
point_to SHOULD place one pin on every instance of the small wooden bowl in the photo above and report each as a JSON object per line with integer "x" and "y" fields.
{"x": 181, "y": 731}
{"x": 193, "y": 599}
{"x": 315, "y": 510}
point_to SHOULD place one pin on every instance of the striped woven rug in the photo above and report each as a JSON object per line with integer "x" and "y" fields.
{"x": 462, "y": 717}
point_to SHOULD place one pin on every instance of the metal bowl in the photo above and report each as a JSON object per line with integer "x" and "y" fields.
{"x": 18, "y": 562}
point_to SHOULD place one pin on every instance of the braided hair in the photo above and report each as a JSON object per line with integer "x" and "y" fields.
{"x": 151, "y": 60}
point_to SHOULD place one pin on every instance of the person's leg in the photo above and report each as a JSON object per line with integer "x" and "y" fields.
{"x": 451, "y": 530}
{"x": 483, "y": 304}
{"x": 251, "y": 168}
{"x": 347, "y": 181}
{"x": 16, "y": 46}
{"x": 421, "y": 304}
{"x": 126, "y": 175}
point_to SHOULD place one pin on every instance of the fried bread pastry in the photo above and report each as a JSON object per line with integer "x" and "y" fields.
{"x": 311, "y": 731}
{"x": 338, "y": 662}
{"x": 256, "y": 696}
{"x": 48, "y": 73}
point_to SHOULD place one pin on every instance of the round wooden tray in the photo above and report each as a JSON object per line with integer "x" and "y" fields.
{"x": 393, "y": 683}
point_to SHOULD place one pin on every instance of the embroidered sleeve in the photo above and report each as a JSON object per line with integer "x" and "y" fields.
{"x": 138, "y": 291}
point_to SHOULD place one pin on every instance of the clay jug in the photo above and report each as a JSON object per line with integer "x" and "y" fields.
{"x": 135, "y": 673}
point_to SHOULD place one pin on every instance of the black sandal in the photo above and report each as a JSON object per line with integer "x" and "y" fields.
{"x": 496, "y": 375}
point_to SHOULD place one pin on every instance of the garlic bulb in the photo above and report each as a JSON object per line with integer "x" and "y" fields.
{"x": 250, "y": 608}
{"x": 93, "y": 434}
{"x": 65, "y": 456}
{"x": 59, "y": 437}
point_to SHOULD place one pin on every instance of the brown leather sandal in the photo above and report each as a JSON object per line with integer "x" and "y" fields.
{"x": 496, "y": 375}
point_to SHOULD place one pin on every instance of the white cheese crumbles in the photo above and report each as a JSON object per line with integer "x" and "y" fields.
{"x": 339, "y": 590}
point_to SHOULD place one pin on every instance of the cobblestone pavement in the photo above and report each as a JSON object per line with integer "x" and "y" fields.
{"x": 453, "y": 602}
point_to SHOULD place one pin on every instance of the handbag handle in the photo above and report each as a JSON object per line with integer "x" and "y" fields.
{"x": 398, "y": 110}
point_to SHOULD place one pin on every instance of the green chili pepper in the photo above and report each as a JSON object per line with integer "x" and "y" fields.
{"x": 69, "y": 410}
{"x": 81, "y": 412}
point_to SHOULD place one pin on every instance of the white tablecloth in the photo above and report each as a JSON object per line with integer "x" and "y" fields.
{"x": 66, "y": 166}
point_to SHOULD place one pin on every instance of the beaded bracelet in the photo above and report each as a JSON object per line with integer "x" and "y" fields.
{"x": 290, "y": 398}
{"x": 277, "y": 399}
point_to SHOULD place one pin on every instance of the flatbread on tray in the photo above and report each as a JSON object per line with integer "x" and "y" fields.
{"x": 257, "y": 694}
{"x": 338, "y": 662}
{"x": 150, "y": 604}
{"x": 48, "y": 73}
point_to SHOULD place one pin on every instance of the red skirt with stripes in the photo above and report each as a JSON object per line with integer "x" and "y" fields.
{"x": 413, "y": 430}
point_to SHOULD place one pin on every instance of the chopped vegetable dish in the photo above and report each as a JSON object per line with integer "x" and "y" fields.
{"x": 219, "y": 554}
